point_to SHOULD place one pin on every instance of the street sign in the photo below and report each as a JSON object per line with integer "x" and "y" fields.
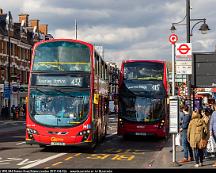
{"x": 173, "y": 38}
{"x": 183, "y": 58}
{"x": 184, "y": 63}
{"x": 174, "y": 115}
{"x": 183, "y": 50}
{"x": 183, "y": 69}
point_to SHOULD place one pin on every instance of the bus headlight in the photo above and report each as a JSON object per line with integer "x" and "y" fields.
{"x": 31, "y": 131}
{"x": 84, "y": 134}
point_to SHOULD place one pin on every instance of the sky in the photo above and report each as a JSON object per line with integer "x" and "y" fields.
{"x": 127, "y": 29}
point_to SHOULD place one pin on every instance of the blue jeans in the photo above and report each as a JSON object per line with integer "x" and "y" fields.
{"x": 198, "y": 153}
{"x": 186, "y": 146}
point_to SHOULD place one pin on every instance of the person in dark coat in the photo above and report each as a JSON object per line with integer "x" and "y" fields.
{"x": 185, "y": 144}
{"x": 3, "y": 113}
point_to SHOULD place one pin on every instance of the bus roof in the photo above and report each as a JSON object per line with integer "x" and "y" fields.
{"x": 61, "y": 39}
{"x": 131, "y": 61}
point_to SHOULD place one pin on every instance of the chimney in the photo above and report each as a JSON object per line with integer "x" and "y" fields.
{"x": 35, "y": 23}
{"x": 24, "y": 17}
{"x": 43, "y": 28}
{"x": 1, "y": 11}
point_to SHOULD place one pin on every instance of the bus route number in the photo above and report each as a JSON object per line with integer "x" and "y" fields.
{"x": 156, "y": 87}
{"x": 76, "y": 81}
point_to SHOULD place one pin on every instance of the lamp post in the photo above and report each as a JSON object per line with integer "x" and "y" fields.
{"x": 203, "y": 28}
{"x": 9, "y": 23}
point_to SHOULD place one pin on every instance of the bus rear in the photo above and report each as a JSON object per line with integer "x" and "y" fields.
{"x": 143, "y": 99}
{"x": 60, "y": 93}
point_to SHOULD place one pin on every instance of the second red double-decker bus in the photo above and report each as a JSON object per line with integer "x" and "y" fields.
{"x": 143, "y": 92}
{"x": 67, "y": 94}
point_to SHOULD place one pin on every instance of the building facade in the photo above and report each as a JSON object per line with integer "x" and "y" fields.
{"x": 16, "y": 42}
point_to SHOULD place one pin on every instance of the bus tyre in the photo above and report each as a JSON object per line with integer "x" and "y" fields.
{"x": 42, "y": 146}
{"x": 104, "y": 133}
{"x": 95, "y": 141}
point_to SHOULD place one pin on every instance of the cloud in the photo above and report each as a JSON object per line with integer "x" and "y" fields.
{"x": 127, "y": 29}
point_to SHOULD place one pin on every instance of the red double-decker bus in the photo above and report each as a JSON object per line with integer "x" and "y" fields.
{"x": 143, "y": 93}
{"x": 67, "y": 94}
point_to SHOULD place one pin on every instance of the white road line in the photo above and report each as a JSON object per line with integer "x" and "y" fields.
{"x": 21, "y": 143}
{"x": 42, "y": 161}
{"x": 111, "y": 134}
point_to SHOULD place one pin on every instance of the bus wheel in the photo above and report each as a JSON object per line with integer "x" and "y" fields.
{"x": 42, "y": 146}
{"x": 95, "y": 142}
{"x": 125, "y": 137}
{"x": 105, "y": 133}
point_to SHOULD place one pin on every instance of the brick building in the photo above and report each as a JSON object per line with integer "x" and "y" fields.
{"x": 16, "y": 44}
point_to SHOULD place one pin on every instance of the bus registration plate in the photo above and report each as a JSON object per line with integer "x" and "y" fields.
{"x": 141, "y": 134}
{"x": 58, "y": 143}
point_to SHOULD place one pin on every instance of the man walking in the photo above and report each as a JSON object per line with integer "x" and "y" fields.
{"x": 185, "y": 144}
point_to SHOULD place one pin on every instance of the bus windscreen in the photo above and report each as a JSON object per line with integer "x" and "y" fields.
{"x": 143, "y": 71}
{"x": 61, "y": 56}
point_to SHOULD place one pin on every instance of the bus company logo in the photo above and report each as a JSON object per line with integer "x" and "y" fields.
{"x": 54, "y": 139}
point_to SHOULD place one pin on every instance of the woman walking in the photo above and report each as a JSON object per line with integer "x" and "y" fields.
{"x": 195, "y": 133}
{"x": 212, "y": 127}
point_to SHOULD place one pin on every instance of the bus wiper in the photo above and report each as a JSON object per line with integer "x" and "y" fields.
{"x": 58, "y": 90}
{"x": 40, "y": 91}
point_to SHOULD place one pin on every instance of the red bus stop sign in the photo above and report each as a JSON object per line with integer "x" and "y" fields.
{"x": 173, "y": 38}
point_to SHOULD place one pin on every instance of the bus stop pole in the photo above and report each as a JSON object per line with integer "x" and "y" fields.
{"x": 174, "y": 162}
{"x": 173, "y": 93}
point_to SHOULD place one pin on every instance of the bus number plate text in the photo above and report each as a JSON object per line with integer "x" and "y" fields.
{"x": 58, "y": 143}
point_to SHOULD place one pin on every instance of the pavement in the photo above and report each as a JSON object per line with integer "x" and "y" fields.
{"x": 11, "y": 126}
{"x": 163, "y": 158}
{"x": 166, "y": 159}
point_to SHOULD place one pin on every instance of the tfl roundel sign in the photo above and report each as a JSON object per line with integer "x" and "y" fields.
{"x": 173, "y": 38}
{"x": 183, "y": 49}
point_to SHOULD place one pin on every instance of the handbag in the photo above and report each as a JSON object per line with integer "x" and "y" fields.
{"x": 178, "y": 139}
{"x": 211, "y": 146}
{"x": 202, "y": 144}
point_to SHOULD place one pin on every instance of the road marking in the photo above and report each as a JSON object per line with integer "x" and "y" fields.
{"x": 56, "y": 163}
{"x": 21, "y": 143}
{"x": 78, "y": 154}
{"x": 123, "y": 157}
{"x": 42, "y": 161}
{"x": 98, "y": 156}
{"x": 69, "y": 158}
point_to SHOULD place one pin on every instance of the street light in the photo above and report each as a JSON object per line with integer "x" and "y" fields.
{"x": 204, "y": 28}
{"x": 9, "y": 21}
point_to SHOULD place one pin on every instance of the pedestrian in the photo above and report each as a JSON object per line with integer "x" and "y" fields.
{"x": 24, "y": 110}
{"x": 196, "y": 132}
{"x": 183, "y": 129}
{"x": 212, "y": 126}
{"x": 206, "y": 117}
{"x": 7, "y": 112}
{"x": 3, "y": 112}
{"x": 13, "y": 110}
